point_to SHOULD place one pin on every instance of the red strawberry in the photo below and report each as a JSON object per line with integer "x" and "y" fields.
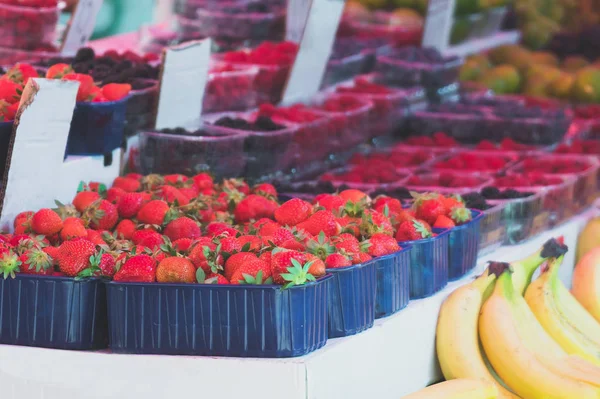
{"x": 220, "y": 229}
{"x": 452, "y": 202}
{"x": 215, "y": 278}
{"x": 252, "y": 272}
{"x": 147, "y": 238}
{"x": 293, "y": 212}
{"x": 412, "y": 230}
{"x": 86, "y": 84}
{"x": 336, "y": 260}
{"x": 281, "y": 260}
{"x": 127, "y": 184}
{"x": 36, "y": 261}
{"x": 444, "y": 222}
{"x": 116, "y": 91}
{"x": 130, "y": 204}
{"x": 137, "y": 269}
{"x": 125, "y": 229}
{"x": 74, "y": 256}
{"x": 183, "y": 244}
{"x": 382, "y": 244}
{"x": 207, "y": 256}
{"x": 253, "y": 243}
{"x": 9, "y": 91}
{"x": 324, "y": 221}
{"x": 203, "y": 181}
{"x": 330, "y": 202}
{"x": 106, "y": 263}
{"x": 83, "y": 199}
{"x": 254, "y": 207}
{"x": 317, "y": 267}
{"x": 102, "y": 215}
{"x": 176, "y": 179}
{"x": 171, "y": 194}
{"x": 73, "y": 228}
{"x": 230, "y": 245}
{"x": 235, "y": 261}
{"x": 189, "y": 192}
{"x": 46, "y": 222}
{"x": 175, "y": 270}
{"x": 392, "y": 204}
{"x": 21, "y": 73}
{"x": 153, "y": 212}
{"x": 362, "y": 258}
{"x": 23, "y": 222}
{"x": 114, "y": 195}
{"x": 347, "y": 242}
{"x": 266, "y": 190}
{"x": 429, "y": 209}
{"x": 57, "y": 71}
{"x": 95, "y": 237}
{"x": 182, "y": 227}
{"x": 350, "y": 225}
{"x": 354, "y": 196}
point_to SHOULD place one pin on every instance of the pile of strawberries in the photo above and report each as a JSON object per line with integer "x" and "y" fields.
{"x": 444, "y": 179}
{"x": 506, "y": 144}
{"x": 267, "y": 53}
{"x": 14, "y": 80}
{"x": 177, "y": 229}
{"x": 590, "y": 147}
{"x": 438, "y": 139}
{"x": 471, "y": 161}
{"x": 555, "y": 165}
{"x": 531, "y": 179}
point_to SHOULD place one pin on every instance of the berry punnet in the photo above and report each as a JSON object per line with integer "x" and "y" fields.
{"x": 192, "y": 230}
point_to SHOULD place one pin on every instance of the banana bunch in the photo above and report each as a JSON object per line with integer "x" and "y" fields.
{"x": 541, "y": 346}
{"x": 457, "y": 389}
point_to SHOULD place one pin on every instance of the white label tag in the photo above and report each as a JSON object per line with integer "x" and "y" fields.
{"x": 315, "y": 48}
{"x": 297, "y": 14}
{"x": 36, "y": 171}
{"x": 182, "y": 83}
{"x": 438, "y": 24}
{"x": 81, "y": 26}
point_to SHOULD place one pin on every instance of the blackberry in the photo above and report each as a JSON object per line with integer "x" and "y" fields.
{"x": 85, "y": 54}
{"x": 475, "y": 201}
{"x": 491, "y": 192}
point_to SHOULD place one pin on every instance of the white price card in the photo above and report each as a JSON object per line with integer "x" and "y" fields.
{"x": 296, "y": 16}
{"x": 438, "y": 24}
{"x": 182, "y": 83}
{"x": 81, "y": 26}
{"x": 315, "y": 49}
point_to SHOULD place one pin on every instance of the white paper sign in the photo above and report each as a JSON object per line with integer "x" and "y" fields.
{"x": 36, "y": 171}
{"x": 81, "y": 26}
{"x": 182, "y": 83}
{"x": 438, "y": 24}
{"x": 297, "y": 14}
{"x": 315, "y": 48}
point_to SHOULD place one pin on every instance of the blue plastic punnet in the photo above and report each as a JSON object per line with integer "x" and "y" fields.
{"x": 463, "y": 247}
{"x": 393, "y": 282}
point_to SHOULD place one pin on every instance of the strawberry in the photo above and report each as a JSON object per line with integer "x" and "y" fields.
{"x": 349, "y": 224}
{"x": 102, "y": 215}
{"x": 220, "y": 229}
{"x": 444, "y": 222}
{"x": 74, "y": 256}
{"x": 330, "y": 202}
{"x": 9, "y": 91}
{"x": 354, "y": 196}
{"x": 114, "y": 195}
{"x": 282, "y": 235}
{"x": 175, "y": 270}
{"x": 254, "y": 272}
{"x": 266, "y": 227}
{"x": 254, "y": 207}
{"x": 382, "y": 244}
{"x": 266, "y": 257}
{"x": 21, "y": 73}
{"x": 320, "y": 246}
{"x": 293, "y": 212}
{"x": 83, "y": 199}
{"x": 57, "y": 71}
{"x": 153, "y": 212}
{"x": 230, "y": 245}
{"x": 362, "y": 258}
{"x": 203, "y": 181}
{"x": 125, "y": 229}
{"x": 374, "y": 222}
{"x": 130, "y": 204}
{"x": 23, "y": 217}
{"x": 324, "y": 221}
{"x": 215, "y": 279}
{"x": 392, "y": 204}
{"x": 36, "y": 261}
{"x": 171, "y": 194}
{"x": 281, "y": 261}
{"x": 23, "y": 242}
{"x": 115, "y": 91}
{"x": 73, "y": 228}
{"x": 412, "y": 230}
{"x": 182, "y": 227}
{"x": 176, "y": 179}
{"x": 460, "y": 216}
{"x": 147, "y": 238}
{"x": 336, "y": 260}
{"x": 207, "y": 256}
{"x": 452, "y": 202}
{"x": 266, "y": 190}
{"x": 95, "y": 237}
{"x": 250, "y": 243}
{"x": 429, "y": 209}
{"x": 235, "y": 261}
{"x": 183, "y": 244}
{"x": 104, "y": 263}
{"x": 137, "y": 269}
{"x": 9, "y": 264}
{"x": 46, "y": 222}
{"x": 346, "y": 242}
{"x": 86, "y": 84}
{"x": 317, "y": 267}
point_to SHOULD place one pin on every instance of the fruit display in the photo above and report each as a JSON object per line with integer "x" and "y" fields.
{"x": 27, "y": 26}
{"x": 230, "y": 88}
{"x": 531, "y": 339}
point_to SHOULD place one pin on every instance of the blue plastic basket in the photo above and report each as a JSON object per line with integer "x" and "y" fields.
{"x": 428, "y": 265}
{"x": 6, "y": 129}
{"x": 97, "y": 128}
{"x": 53, "y": 312}
{"x": 351, "y": 303}
{"x": 393, "y": 283}
{"x": 463, "y": 247}
{"x": 217, "y": 320}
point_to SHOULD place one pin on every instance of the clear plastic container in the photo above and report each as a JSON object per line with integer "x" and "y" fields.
{"x": 231, "y": 90}
{"x": 266, "y": 152}
{"x": 139, "y": 114}
{"x": 228, "y": 20}
{"x": 431, "y": 183}
{"x": 411, "y": 73}
{"x": 506, "y": 159}
{"x": 523, "y": 218}
{"x": 465, "y": 128}
{"x": 380, "y": 27}
{"x": 189, "y": 8}
{"x": 492, "y": 231}
{"x": 212, "y": 150}
{"x": 345, "y": 68}
{"x": 401, "y": 177}
{"x": 28, "y": 27}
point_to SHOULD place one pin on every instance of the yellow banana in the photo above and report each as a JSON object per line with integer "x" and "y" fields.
{"x": 457, "y": 389}
{"x": 569, "y": 329}
{"x": 512, "y": 358}
{"x": 586, "y": 282}
{"x": 458, "y": 349}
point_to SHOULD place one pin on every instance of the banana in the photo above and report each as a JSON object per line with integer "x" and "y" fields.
{"x": 510, "y": 353}
{"x": 457, "y": 389}
{"x": 567, "y": 322}
{"x": 458, "y": 349}
{"x": 586, "y": 282}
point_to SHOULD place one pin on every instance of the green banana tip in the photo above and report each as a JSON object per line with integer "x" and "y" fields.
{"x": 554, "y": 248}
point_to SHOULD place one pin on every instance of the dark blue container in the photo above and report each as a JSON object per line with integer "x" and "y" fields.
{"x": 428, "y": 265}
{"x": 53, "y": 312}
{"x": 351, "y": 303}
{"x": 6, "y": 129}
{"x": 217, "y": 320}
{"x": 97, "y": 128}
{"x": 393, "y": 283}
{"x": 463, "y": 247}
